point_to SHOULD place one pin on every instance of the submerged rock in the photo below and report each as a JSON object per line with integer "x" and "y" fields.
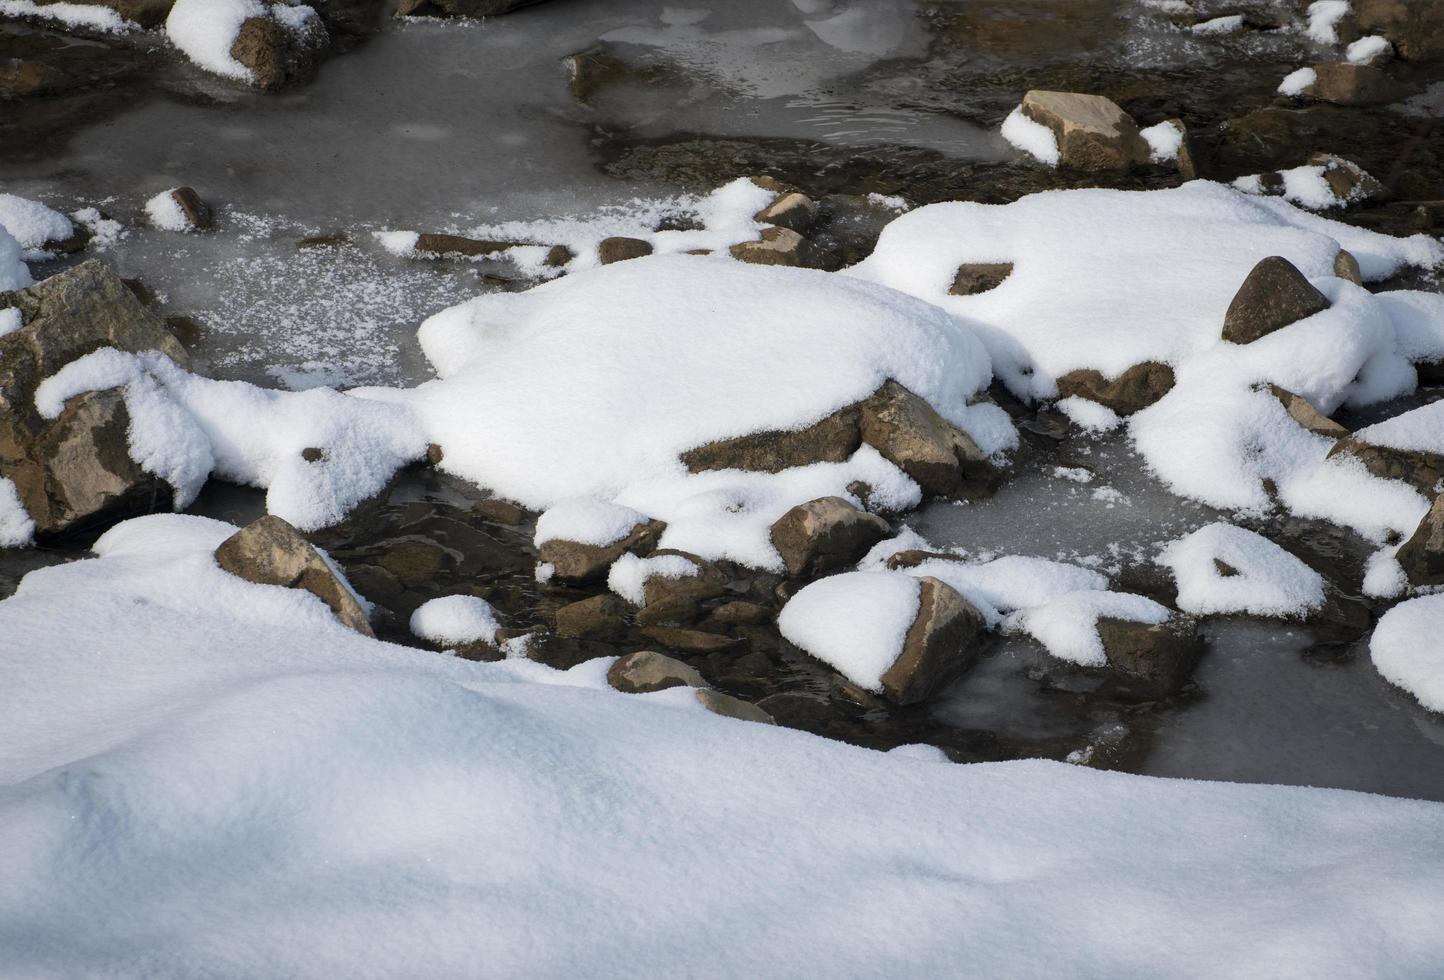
{"x": 459, "y": 8}
{"x": 272, "y": 552}
{"x": 825, "y": 535}
{"x": 601, "y": 617}
{"x": 1093, "y": 133}
{"x": 1348, "y": 84}
{"x": 1273, "y": 295}
{"x": 729, "y": 707}
{"x": 1151, "y": 659}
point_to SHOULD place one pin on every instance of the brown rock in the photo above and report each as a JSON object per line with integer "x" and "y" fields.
{"x": 1421, "y": 469}
{"x": 1304, "y": 413}
{"x": 792, "y": 209}
{"x": 1348, "y": 181}
{"x": 589, "y": 70}
{"x": 1133, "y": 390}
{"x": 777, "y": 246}
{"x": 708, "y": 583}
{"x": 601, "y": 617}
{"x": 729, "y": 707}
{"x": 913, "y": 557}
{"x": 1093, "y": 133}
{"x": 558, "y": 256}
{"x": 824, "y": 535}
{"x": 276, "y": 55}
{"x": 1273, "y": 295}
{"x": 1347, "y": 267}
{"x": 739, "y": 613}
{"x": 941, "y": 458}
{"x": 498, "y": 511}
{"x": 940, "y": 644}
{"x": 1422, "y": 556}
{"x": 1345, "y": 84}
{"x": 647, "y": 670}
{"x": 197, "y": 212}
{"x": 832, "y": 440}
{"x": 432, "y": 243}
{"x": 692, "y": 641}
{"x": 670, "y": 611}
{"x": 578, "y": 564}
{"x": 272, "y": 552}
{"x": 979, "y": 277}
{"x": 621, "y": 249}
{"x": 1152, "y": 660}
{"x": 1414, "y": 27}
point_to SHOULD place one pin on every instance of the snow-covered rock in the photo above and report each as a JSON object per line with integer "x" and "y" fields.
{"x": 1221, "y": 568}
{"x": 14, "y": 273}
{"x": 258, "y": 42}
{"x": 454, "y": 620}
{"x": 1406, "y": 650}
{"x": 39, "y": 230}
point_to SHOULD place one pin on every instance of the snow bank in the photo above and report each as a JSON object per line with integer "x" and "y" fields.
{"x": 14, "y": 273}
{"x": 855, "y": 622}
{"x": 202, "y": 776}
{"x": 455, "y": 619}
{"x": 1405, "y": 649}
{"x": 1267, "y": 580}
{"x": 32, "y": 224}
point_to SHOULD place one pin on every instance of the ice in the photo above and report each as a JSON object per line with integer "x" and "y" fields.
{"x": 1265, "y": 579}
{"x": 1406, "y": 650}
{"x": 1033, "y": 138}
{"x": 455, "y": 619}
{"x": 855, "y": 622}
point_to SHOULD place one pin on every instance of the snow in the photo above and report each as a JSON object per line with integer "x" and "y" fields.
{"x": 855, "y": 622}
{"x": 1304, "y": 186}
{"x": 1004, "y": 585}
{"x": 1296, "y": 81}
{"x": 205, "y": 30}
{"x": 1164, "y": 141}
{"x": 1384, "y": 577}
{"x": 586, "y": 520}
{"x": 165, "y": 212}
{"x": 629, "y": 574}
{"x": 1406, "y": 651}
{"x": 11, "y": 320}
{"x": 105, "y": 232}
{"x": 1220, "y": 25}
{"x": 230, "y": 782}
{"x": 1067, "y": 625}
{"x": 1088, "y": 415}
{"x": 14, "y": 273}
{"x": 455, "y": 619}
{"x": 1324, "y": 17}
{"x": 1269, "y": 580}
{"x": 87, "y": 16}
{"x": 1417, "y": 430}
{"x": 1033, "y": 138}
{"x": 17, "y": 530}
{"x": 1366, "y": 49}
{"x": 32, "y": 224}
{"x": 1075, "y": 473}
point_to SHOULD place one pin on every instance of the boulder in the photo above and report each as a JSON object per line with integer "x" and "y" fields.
{"x": 729, "y": 707}
{"x": 276, "y": 53}
{"x": 1093, "y": 133}
{"x": 825, "y": 535}
{"x": 647, "y": 670}
{"x": 1342, "y": 83}
{"x": 1132, "y": 391}
{"x": 602, "y": 617}
{"x": 791, "y": 209}
{"x": 621, "y": 249}
{"x": 708, "y": 583}
{"x": 979, "y": 277}
{"x": 1422, "y": 556}
{"x": 1414, "y": 27}
{"x": 940, "y": 644}
{"x": 272, "y": 552}
{"x": 1302, "y": 411}
{"x": 941, "y": 458}
{"x": 574, "y": 563}
{"x": 778, "y": 246}
{"x": 1151, "y": 660}
{"x": 1348, "y": 181}
{"x": 1273, "y": 295}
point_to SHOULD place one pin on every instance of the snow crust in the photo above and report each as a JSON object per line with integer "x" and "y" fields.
{"x": 1270, "y": 581}
{"x": 855, "y": 622}
{"x": 1406, "y": 651}
{"x": 32, "y": 224}
{"x": 629, "y": 574}
{"x": 17, "y": 530}
{"x": 455, "y": 619}
{"x": 202, "y": 776}
{"x": 11, "y": 320}
{"x": 165, "y": 212}
{"x": 1033, "y": 138}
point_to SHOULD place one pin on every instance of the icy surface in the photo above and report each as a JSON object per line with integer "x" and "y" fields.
{"x": 455, "y": 619}
{"x": 1267, "y": 580}
{"x": 1406, "y": 649}
{"x": 855, "y": 622}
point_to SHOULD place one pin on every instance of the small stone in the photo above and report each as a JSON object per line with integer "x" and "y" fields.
{"x": 272, "y": 552}
{"x": 777, "y": 246}
{"x": 601, "y": 617}
{"x": 647, "y": 670}
{"x": 941, "y": 458}
{"x": 1093, "y": 133}
{"x": 729, "y": 707}
{"x": 498, "y": 511}
{"x": 739, "y": 613}
{"x": 824, "y": 535}
{"x": 1133, "y": 390}
{"x": 708, "y": 583}
{"x": 197, "y": 212}
{"x": 313, "y": 455}
{"x": 558, "y": 256}
{"x": 1273, "y": 295}
{"x": 276, "y": 53}
{"x": 621, "y": 249}
{"x": 434, "y": 454}
{"x": 979, "y": 277}
{"x": 1304, "y": 413}
{"x": 574, "y": 563}
{"x": 1348, "y": 181}
{"x": 1347, "y": 267}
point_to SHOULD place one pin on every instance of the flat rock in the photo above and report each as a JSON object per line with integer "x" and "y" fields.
{"x": 692, "y": 641}
{"x": 979, "y": 277}
{"x": 1304, "y": 413}
{"x": 647, "y": 670}
{"x": 435, "y": 243}
{"x": 825, "y": 535}
{"x": 1347, "y": 84}
{"x": 1273, "y": 295}
{"x": 1093, "y": 133}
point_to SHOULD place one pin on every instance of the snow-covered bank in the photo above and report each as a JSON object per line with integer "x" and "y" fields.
{"x": 235, "y": 784}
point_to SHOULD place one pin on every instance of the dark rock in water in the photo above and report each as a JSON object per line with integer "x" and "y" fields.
{"x": 574, "y": 563}
{"x": 1273, "y": 295}
{"x": 1093, "y": 133}
{"x": 940, "y": 644}
{"x": 738, "y": 613}
{"x": 692, "y": 641}
{"x": 1304, "y": 413}
{"x": 565, "y": 652}
{"x": 941, "y": 458}
{"x": 1414, "y": 27}
{"x": 979, "y": 277}
{"x": 1422, "y": 556}
{"x": 621, "y": 249}
{"x": 677, "y": 610}
{"x": 1351, "y": 85}
{"x": 647, "y": 670}
{"x": 825, "y": 535}
{"x": 1132, "y": 391}
{"x": 498, "y": 511}
{"x": 276, "y": 55}
{"x": 272, "y": 552}
{"x": 729, "y": 707}
{"x": 601, "y": 617}
{"x": 1151, "y": 660}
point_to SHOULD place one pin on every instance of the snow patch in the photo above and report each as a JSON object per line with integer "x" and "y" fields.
{"x": 1033, "y": 138}
{"x": 1406, "y": 650}
{"x": 454, "y": 620}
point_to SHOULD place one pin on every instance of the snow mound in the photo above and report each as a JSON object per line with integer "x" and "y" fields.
{"x": 14, "y": 273}
{"x": 1324, "y": 18}
{"x": 1406, "y": 651}
{"x": 455, "y": 619}
{"x": 1263, "y": 578}
{"x": 1088, "y": 415}
{"x": 855, "y": 622}
{"x": 1032, "y": 137}
{"x": 1004, "y": 585}
{"x": 165, "y": 212}
{"x": 1297, "y": 80}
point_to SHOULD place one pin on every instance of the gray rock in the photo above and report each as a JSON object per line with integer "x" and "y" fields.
{"x": 579, "y": 564}
{"x": 272, "y": 552}
{"x": 1273, "y": 295}
{"x": 647, "y": 670}
{"x": 941, "y": 458}
{"x": 825, "y": 535}
{"x": 729, "y": 707}
{"x": 1422, "y": 556}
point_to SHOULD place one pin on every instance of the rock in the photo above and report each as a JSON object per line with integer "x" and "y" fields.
{"x": 1421, "y": 469}
{"x": 197, "y": 212}
{"x": 601, "y": 617}
{"x": 692, "y": 641}
{"x": 565, "y": 652}
{"x": 729, "y": 707}
{"x": 1422, "y": 556}
{"x": 1273, "y": 295}
{"x": 941, "y": 458}
{"x": 498, "y": 511}
{"x": 589, "y": 70}
{"x": 824, "y": 535}
{"x": 1151, "y": 660}
{"x": 739, "y": 613}
{"x": 1304, "y": 413}
{"x": 459, "y": 8}
{"x": 1093, "y": 133}
{"x": 578, "y": 564}
{"x": 1414, "y": 27}
{"x": 1133, "y": 390}
{"x": 913, "y": 557}
{"x": 276, "y": 53}
{"x": 647, "y": 670}
{"x": 1347, "y": 267}
{"x": 1342, "y": 83}
{"x": 940, "y": 644}
{"x": 271, "y": 552}
{"x": 670, "y": 611}
{"x": 832, "y": 440}
{"x": 621, "y": 249}
{"x": 433, "y": 243}
{"x": 558, "y": 256}
{"x": 1348, "y": 181}
{"x": 708, "y": 583}
{"x": 979, "y": 277}
{"x": 792, "y": 209}
{"x": 146, "y": 13}
{"x": 778, "y": 246}
{"x": 1184, "y": 161}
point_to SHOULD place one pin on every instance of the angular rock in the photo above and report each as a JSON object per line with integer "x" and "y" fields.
{"x": 1132, "y": 391}
{"x": 1342, "y": 83}
{"x": 1348, "y": 181}
{"x": 791, "y": 209}
{"x": 1273, "y": 295}
{"x": 825, "y": 535}
{"x": 1304, "y": 413}
{"x": 692, "y": 641}
{"x": 276, "y": 54}
{"x": 1151, "y": 660}
{"x": 979, "y": 277}
{"x": 1093, "y": 133}
{"x": 1422, "y": 556}
{"x": 272, "y": 552}
{"x": 621, "y": 249}
{"x": 778, "y": 246}
{"x": 647, "y": 670}
{"x": 671, "y": 611}
{"x": 1414, "y": 27}
{"x": 708, "y": 583}
{"x": 729, "y": 707}
{"x": 941, "y": 458}
{"x": 940, "y": 644}
{"x": 574, "y": 563}
{"x": 197, "y": 212}
{"x": 832, "y": 440}
{"x": 601, "y": 617}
